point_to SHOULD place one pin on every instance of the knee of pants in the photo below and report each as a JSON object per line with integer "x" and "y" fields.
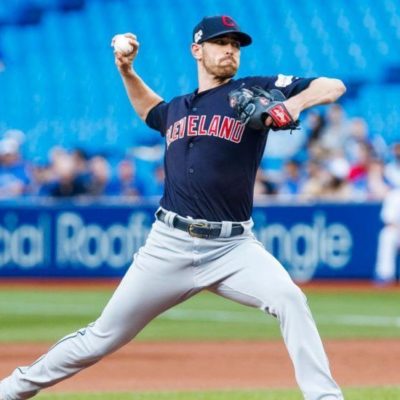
{"x": 97, "y": 344}
{"x": 291, "y": 297}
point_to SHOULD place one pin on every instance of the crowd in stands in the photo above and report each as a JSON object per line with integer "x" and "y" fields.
{"x": 338, "y": 160}
{"x": 333, "y": 158}
{"x": 73, "y": 173}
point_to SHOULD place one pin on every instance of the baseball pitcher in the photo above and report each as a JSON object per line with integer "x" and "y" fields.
{"x": 202, "y": 235}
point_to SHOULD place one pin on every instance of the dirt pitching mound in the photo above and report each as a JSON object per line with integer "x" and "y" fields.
{"x": 216, "y": 365}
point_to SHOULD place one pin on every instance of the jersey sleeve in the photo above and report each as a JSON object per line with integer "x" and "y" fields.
{"x": 157, "y": 117}
{"x": 289, "y": 85}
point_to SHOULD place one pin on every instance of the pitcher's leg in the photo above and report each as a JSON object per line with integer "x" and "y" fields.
{"x": 261, "y": 281}
{"x": 139, "y": 298}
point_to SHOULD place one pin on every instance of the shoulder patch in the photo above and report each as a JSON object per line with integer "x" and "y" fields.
{"x": 284, "y": 80}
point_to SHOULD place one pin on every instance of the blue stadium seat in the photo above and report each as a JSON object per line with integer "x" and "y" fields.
{"x": 378, "y": 104}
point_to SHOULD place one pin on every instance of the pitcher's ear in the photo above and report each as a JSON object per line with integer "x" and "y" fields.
{"x": 197, "y": 51}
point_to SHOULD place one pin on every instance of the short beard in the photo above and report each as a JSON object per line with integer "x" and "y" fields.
{"x": 221, "y": 73}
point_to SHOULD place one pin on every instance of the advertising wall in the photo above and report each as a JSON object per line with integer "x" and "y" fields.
{"x": 65, "y": 240}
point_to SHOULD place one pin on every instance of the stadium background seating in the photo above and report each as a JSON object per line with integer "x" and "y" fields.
{"x": 60, "y": 85}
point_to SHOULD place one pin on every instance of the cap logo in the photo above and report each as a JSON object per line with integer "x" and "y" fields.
{"x": 198, "y": 35}
{"x": 228, "y": 21}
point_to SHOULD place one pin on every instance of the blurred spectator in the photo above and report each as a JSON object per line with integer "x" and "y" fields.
{"x": 13, "y": 170}
{"x": 293, "y": 179}
{"x": 335, "y": 185}
{"x": 327, "y": 179}
{"x": 283, "y": 146}
{"x": 41, "y": 176}
{"x": 359, "y": 167}
{"x": 99, "y": 182}
{"x": 334, "y": 134}
{"x": 356, "y": 140}
{"x": 316, "y": 175}
{"x": 392, "y": 169}
{"x": 15, "y": 134}
{"x": 376, "y": 186}
{"x": 62, "y": 176}
{"x": 126, "y": 183}
{"x": 80, "y": 159}
{"x": 263, "y": 185}
{"x": 156, "y": 187}
{"x": 367, "y": 174}
{"x": 389, "y": 239}
{"x": 44, "y": 177}
{"x": 359, "y": 136}
{"x": 314, "y": 123}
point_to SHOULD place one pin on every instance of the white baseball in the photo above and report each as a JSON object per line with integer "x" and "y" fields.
{"x": 122, "y": 45}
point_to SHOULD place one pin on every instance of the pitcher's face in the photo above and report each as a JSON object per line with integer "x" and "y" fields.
{"x": 221, "y": 57}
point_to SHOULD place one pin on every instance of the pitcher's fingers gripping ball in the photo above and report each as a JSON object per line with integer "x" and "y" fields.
{"x": 126, "y": 48}
{"x": 122, "y": 44}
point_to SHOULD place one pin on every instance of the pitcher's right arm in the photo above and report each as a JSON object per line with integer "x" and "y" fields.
{"x": 142, "y": 98}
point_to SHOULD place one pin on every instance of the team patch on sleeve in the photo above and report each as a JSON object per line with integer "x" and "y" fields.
{"x": 284, "y": 80}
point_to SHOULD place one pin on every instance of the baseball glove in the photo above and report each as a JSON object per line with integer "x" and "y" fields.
{"x": 253, "y": 106}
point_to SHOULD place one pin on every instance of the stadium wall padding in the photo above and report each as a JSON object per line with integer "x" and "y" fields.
{"x": 313, "y": 241}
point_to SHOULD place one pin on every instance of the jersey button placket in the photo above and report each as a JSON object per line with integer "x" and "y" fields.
{"x": 191, "y": 170}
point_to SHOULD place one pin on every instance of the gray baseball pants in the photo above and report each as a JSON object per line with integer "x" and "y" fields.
{"x": 171, "y": 267}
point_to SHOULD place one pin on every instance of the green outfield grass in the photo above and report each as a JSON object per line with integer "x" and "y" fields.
{"x": 46, "y": 315}
{"x": 350, "y": 394}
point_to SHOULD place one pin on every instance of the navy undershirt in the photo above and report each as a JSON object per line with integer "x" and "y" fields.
{"x": 211, "y": 159}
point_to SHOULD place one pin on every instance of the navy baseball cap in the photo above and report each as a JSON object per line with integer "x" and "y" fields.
{"x": 221, "y": 25}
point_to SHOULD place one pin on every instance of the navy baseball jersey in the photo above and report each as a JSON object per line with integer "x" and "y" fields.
{"x": 211, "y": 158}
